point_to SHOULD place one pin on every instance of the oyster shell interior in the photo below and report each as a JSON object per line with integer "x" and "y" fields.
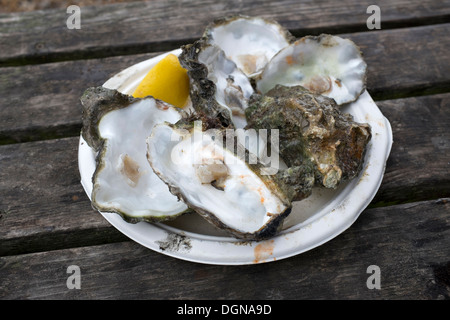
{"x": 327, "y": 65}
{"x": 123, "y": 181}
{"x": 232, "y": 87}
{"x": 250, "y": 42}
{"x": 216, "y": 182}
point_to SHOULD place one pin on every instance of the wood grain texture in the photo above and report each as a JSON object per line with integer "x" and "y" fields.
{"x": 418, "y": 167}
{"x": 406, "y": 62}
{"x": 408, "y": 242}
{"x": 48, "y": 224}
{"x": 42, "y": 203}
{"x": 159, "y": 25}
{"x": 42, "y": 101}
{"x": 44, "y": 206}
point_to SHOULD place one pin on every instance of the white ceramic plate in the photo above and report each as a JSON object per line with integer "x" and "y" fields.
{"x": 313, "y": 221}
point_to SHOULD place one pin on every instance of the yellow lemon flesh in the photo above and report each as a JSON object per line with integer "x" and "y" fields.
{"x": 167, "y": 81}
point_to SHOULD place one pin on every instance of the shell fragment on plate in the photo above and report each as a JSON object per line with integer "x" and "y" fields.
{"x": 116, "y": 126}
{"x": 326, "y": 64}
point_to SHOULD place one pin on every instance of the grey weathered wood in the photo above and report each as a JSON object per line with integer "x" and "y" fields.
{"x": 418, "y": 168}
{"x": 43, "y": 36}
{"x": 44, "y": 206}
{"x": 42, "y": 203}
{"x": 47, "y": 223}
{"x": 406, "y": 62}
{"x": 409, "y": 243}
{"x": 42, "y": 101}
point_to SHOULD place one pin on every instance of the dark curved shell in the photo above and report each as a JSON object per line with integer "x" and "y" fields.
{"x": 202, "y": 90}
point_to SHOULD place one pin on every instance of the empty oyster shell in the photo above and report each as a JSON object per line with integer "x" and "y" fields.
{"x": 117, "y": 126}
{"x": 250, "y": 42}
{"x": 227, "y": 190}
{"x": 327, "y": 65}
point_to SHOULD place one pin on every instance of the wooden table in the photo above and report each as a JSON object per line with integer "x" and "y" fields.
{"x": 46, "y": 220}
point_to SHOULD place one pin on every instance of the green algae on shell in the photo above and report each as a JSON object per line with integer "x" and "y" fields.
{"x": 313, "y": 132}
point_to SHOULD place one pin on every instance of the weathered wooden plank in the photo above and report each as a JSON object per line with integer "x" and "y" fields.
{"x": 44, "y": 207}
{"x": 406, "y": 62}
{"x": 42, "y": 101}
{"x": 420, "y": 151}
{"x": 409, "y": 243}
{"x": 42, "y": 203}
{"x": 118, "y": 29}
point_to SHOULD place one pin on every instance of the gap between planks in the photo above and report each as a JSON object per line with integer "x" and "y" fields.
{"x": 132, "y": 28}
{"x": 48, "y": 170}
{"x": 133, "y": 49}
{"x": 401, "y": 63}
{"x": 408, "y": 242}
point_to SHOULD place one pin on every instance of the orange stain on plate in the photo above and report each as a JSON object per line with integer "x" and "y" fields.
{"x": 263, "y": 251}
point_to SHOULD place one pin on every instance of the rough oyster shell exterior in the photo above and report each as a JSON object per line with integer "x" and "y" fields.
{"x": 314, "y": 133}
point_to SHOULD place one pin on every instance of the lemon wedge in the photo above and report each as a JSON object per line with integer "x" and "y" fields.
{"x": 167, "y": 81}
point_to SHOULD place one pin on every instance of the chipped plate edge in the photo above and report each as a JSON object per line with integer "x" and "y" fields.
{"x": 325, "y": 225}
